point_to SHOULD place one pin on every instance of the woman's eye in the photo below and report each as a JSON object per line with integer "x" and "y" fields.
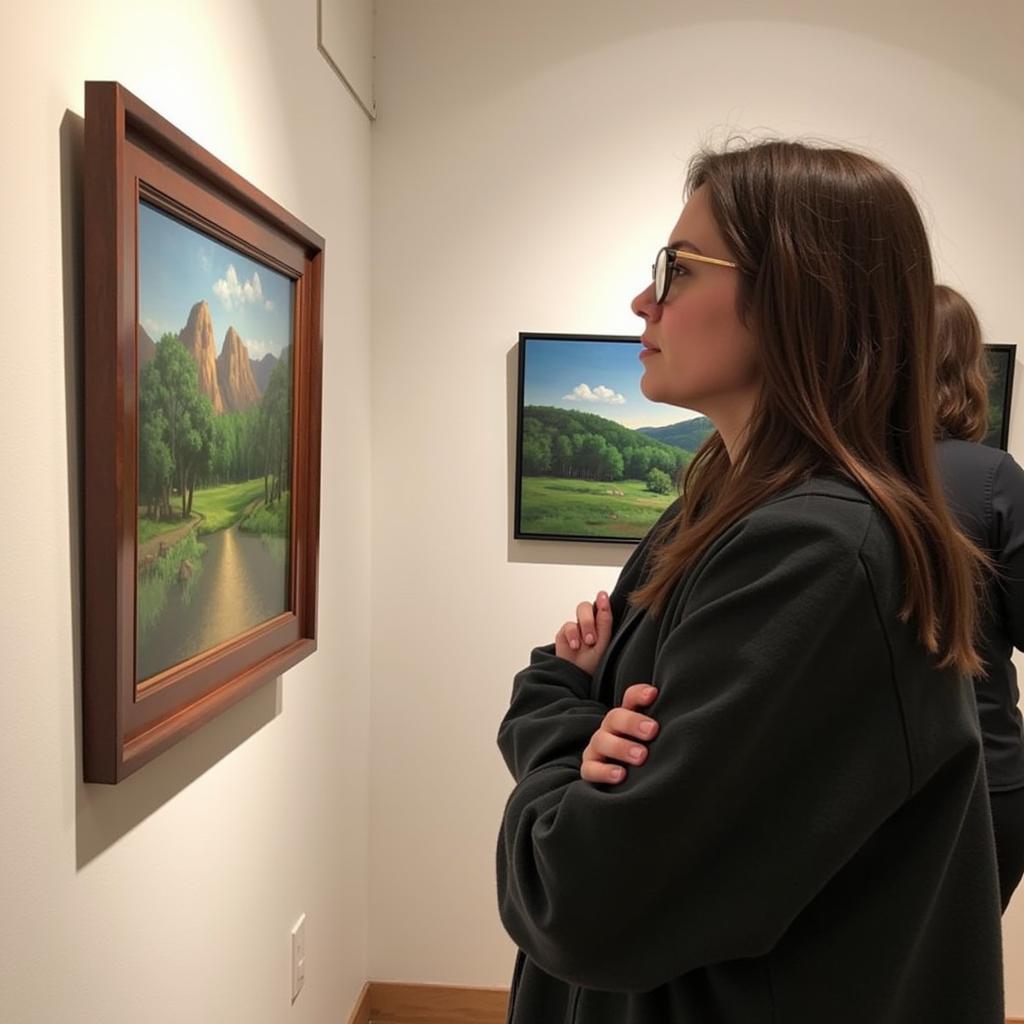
{"x": 680, "y": 271}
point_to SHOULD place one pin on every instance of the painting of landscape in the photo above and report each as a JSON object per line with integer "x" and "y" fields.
{"x": 596, "y": 459}
{"x": 214, "y": 442}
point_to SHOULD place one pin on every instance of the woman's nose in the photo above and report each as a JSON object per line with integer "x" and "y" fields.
{"x": 644, "y": 305}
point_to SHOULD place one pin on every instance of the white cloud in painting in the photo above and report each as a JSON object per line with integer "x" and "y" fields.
{"x": 268, "y": 306}
{"x": 204, "y": 261}
{"x": 153, "y": 329}
{"x": 235, "y": 293}
{"x": 584, "y": 393}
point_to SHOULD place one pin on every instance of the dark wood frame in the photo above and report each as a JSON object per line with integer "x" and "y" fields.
{"x": 132, "y": 153}
{"x": 1011, "y": 357}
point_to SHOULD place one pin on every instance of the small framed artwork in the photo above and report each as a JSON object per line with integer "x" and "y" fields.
{"x": 203, "y": 349}
{"x": 595, "y": 459}
{"x": 1001, "y": 361}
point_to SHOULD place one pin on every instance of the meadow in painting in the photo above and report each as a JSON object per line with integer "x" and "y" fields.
{"x": 597, "y": 460}
{"x": 214, "y": 443}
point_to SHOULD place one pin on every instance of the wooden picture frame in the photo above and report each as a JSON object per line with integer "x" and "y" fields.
{"x": 140, "y": 167}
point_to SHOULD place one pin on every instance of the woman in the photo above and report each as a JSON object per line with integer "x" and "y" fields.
{"x": 805, "y": 835}
{"x": 985, "y": 487}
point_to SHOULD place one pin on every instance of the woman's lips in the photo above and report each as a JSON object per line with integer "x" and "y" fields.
{"x": 648, "y": 349}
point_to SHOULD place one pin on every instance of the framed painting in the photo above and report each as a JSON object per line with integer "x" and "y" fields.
{"x": 1001, "y": 361}
{"x": 203, "y": 350}
{"x": 595, "y": 459}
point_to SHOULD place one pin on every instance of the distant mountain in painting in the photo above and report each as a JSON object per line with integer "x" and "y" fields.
{"x": 233, "y": 380}
{"x": 688, "y": 434}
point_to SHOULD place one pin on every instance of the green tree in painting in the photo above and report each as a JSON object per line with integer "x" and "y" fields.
{"x": 275, "y": 432}
{"x": 237, "y": 449}
{"x": 198, "y": 446}
{"x": 536, "y": 455}
{"x": 156, "y": 467}
{"x": 582, "y": 446}
{"x": 659, "y": 482}
{"x": 176, "y": 432}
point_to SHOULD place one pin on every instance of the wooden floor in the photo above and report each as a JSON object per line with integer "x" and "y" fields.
{"x": 383, "y": 1002}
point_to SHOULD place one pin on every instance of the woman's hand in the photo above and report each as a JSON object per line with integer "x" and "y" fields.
{"x": 584, "y": 641}
{"x": 615, "y": 740}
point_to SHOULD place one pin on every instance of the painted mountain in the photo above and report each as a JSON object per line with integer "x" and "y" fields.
{"x": 688, "y": 435}
{"x": 233, "y": 381}
{"x": 262, "y": 369}
{"x": 197, "y": 337}
{"x": 238, "y": 388}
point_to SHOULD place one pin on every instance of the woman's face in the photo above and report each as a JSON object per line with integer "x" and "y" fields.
{"x": 697, "y": 353}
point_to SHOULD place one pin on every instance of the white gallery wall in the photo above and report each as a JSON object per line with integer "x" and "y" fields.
{"x": 528, "y": 162}
{"x": 170, "y": 897}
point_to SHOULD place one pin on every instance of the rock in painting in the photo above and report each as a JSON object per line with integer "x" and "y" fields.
{"x": 198, "y": 339}
{"x": 238, "y": 387}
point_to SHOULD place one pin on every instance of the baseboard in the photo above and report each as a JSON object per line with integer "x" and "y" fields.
{"x": 391, "y": 1002}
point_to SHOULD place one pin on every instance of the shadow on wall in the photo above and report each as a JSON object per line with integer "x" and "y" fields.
{"x": 103, "y": 814}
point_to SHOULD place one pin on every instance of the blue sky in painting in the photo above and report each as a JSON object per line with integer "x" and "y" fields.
{"x": 179, "y": 266}
{"x": 599, "y": 377}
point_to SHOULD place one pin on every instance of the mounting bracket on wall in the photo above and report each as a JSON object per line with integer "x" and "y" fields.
{"x": 344, "y": 37}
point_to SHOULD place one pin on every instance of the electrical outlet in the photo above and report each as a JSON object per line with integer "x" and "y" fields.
{"x": 298, "y": 956}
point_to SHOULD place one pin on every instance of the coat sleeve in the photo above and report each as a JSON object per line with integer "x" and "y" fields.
{"x": 759, "y": 786}
{"x": 551, "y": 716}
{"x": 1008, "y": 544}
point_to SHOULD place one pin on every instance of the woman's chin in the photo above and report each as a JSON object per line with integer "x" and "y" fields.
{"x": 652, "y": 389}
{"x": 648, "y": 388}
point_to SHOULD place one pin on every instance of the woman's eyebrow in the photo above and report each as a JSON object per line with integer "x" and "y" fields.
{"x": 685, "y": 243}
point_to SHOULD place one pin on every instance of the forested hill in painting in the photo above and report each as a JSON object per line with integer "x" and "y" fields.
{"x": 233, "y": 381}
{"x": 583, "y": 446}
{"x": 688, "y": 435}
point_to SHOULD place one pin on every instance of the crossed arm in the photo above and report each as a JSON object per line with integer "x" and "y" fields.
{"x": 757, "y": 789}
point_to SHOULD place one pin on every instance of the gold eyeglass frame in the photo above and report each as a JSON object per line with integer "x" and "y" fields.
{"x": 675, "y": 254}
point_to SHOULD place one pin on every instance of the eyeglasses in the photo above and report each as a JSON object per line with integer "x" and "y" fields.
{"x": 664, "y": 268}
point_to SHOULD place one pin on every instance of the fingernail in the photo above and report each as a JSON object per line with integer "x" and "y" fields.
{"x": 651, "y": 693}
{"x": 647, "y": 728}
{"x": 617, "y": 773}
{"x": 573, "y": 644}
{"x": 636, "y": 753}
{"x": 590, "y": 638}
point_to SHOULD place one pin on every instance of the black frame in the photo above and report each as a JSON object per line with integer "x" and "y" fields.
{"x": 1004, "y": 427}
{"x": 525, "y": 336}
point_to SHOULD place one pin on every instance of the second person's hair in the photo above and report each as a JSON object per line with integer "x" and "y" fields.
{"x": 962, "y": 371}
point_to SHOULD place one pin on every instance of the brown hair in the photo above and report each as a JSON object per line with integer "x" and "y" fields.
{"x": 962, "y": 372}
{"x": 836, "y": 283}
